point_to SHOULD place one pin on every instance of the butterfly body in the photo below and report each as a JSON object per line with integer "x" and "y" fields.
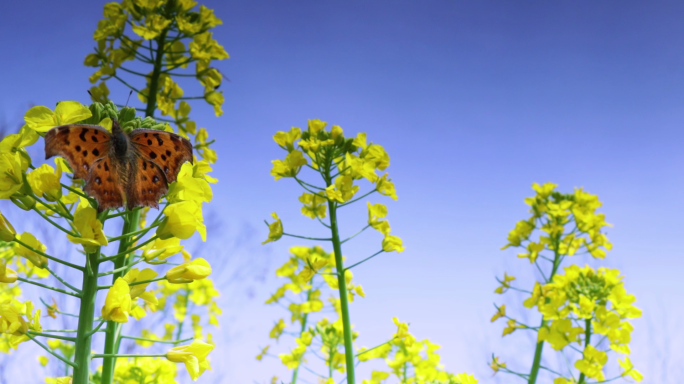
{"x": 117, "y": 167}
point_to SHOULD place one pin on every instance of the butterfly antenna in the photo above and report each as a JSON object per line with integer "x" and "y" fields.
{"x": 87, "y": 90}
{"x": 129, "y": 98}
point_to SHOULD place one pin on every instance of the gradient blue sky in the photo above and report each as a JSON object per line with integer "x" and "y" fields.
{"x": 473, "y": 101}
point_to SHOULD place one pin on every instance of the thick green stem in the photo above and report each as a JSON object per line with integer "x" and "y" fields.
{"x": 154, "y": 80}
{"x": 85, "y": 321}
{"x": 536, "y": 363}
{"x": 113, "y": 328}
{"x": 587, "y": 342}
{"x": 344, "y": 304}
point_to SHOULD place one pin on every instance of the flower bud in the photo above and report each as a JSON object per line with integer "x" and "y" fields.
{"x": 197, "y": 269}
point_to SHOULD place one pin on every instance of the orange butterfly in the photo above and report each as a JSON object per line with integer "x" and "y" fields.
{"x": 136, "y": 167}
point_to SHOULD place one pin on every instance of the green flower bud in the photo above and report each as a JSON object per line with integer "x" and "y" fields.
{"x": 126, "y": 114}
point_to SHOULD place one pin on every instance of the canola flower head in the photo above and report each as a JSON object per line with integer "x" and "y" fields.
{"x": 42, "y": 119}
{"x": 182, "y": 220}
{"x": 194, "y": 356}
{"x": 32, "y": 254}
{"x": 196, "y": 269}
{"x": 118, "y": 302}
{"x": 275, "y": 229}
{"x": 90, "y": 229}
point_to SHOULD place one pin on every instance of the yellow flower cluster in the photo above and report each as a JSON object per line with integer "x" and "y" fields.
{"x": 580, "y": 302}
{"x": 411, "y": 361}
{"x": 553, "y": 211}
{"x": 181, "y": 35}
{"x": 350, "y": 159}
{"x": 596, "y": 296}
{"x": 324, "y": 338}
{"x": 41, "y": 190}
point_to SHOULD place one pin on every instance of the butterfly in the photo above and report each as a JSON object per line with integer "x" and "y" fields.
{"x": 136, "y": 167}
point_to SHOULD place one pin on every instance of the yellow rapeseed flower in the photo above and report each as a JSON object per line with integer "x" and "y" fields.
{"x": 181, "y": 220}
{"x": 197, "y": 269}
{"x": 275, "y": 229}
{"x": 194, "y": 356}
{"x": 118, "y": 302}
{"x": 34, "y": 257}
{"x": 89, "y": 229}
{"x": 161, "y": 249}
{"x": 42, "y": 119}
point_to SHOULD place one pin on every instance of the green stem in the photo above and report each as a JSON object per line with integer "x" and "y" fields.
{"x": 66, "y": 338}
{"x": 366, "y": 259}
{"x": 48, "y": 287}
{"x": 55, "y": 259}
{"x": 135, "y": 282}
{"x": 587, "y": 342}
{"x": 62, "y": 280}
{"x": 337, "y": 246}
{"x": 156, "y": 72}
{"x": 50, "y": 351}
{"x": 113, "y": 328}
{"x": 158, "y": 341}
{"x": 536, "y": 362}
{"x": 119, "y": 256}
{"x": 116, "y": 355}
{"x": 127, "y": 235}
{"x": 85, "y": 322}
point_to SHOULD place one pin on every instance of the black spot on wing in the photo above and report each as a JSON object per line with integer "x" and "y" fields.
{"x": 78, "y": 148}
{"x": 153, "y": 155}
{"x": 83, "y": 134}
{"x": 96, "y": 152}
{"x": 159, "y": 139}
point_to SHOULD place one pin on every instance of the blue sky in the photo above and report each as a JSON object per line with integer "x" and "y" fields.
{"x": 474, "y": 101}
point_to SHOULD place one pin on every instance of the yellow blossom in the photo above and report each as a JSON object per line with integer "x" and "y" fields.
{"x": 194, "y": 356}
{"x": 189, "y": 187}
{"x": 275, "y": 229}
{"x": 7, "y": 275}
{"x": 500, "y": 312}
{"x": 277, "y": 329}
{"x": 58, "y": 380}
{"x": 161, "y": 249}
{"x": 118, "y": 302}
{"x": 375, "y": 213}
{"x": 7, "y": 231}
{"x": 42, "y": 119}
{"x": 392, "y": 243}
{"x": 194, "y": 270}
{"x": 34, "y": 257}
{"x": 386, "y": 187}
{"x": 45, "y": 182}
{"x": 629, "y": 370}
{"x": 289, "y": 167}
{"x": 314, "y": 205}
{"x": 505, "y": 284}
{"x": 89, "y": 229}
{"x": 12, "y": 167}
{"x": 592, "y": 363}
{"x": 151, "y": 27}
{"x": 181, "y": 220}
{"x": 286, "y": 139}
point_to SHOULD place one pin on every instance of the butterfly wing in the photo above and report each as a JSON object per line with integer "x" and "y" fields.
{"x": 80, "y": 144}
{"x": 159, "y": 156}
{"x": 104, "y": 184}
{"x": 147, "y": 183}
{"x": 168, "y": 150}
